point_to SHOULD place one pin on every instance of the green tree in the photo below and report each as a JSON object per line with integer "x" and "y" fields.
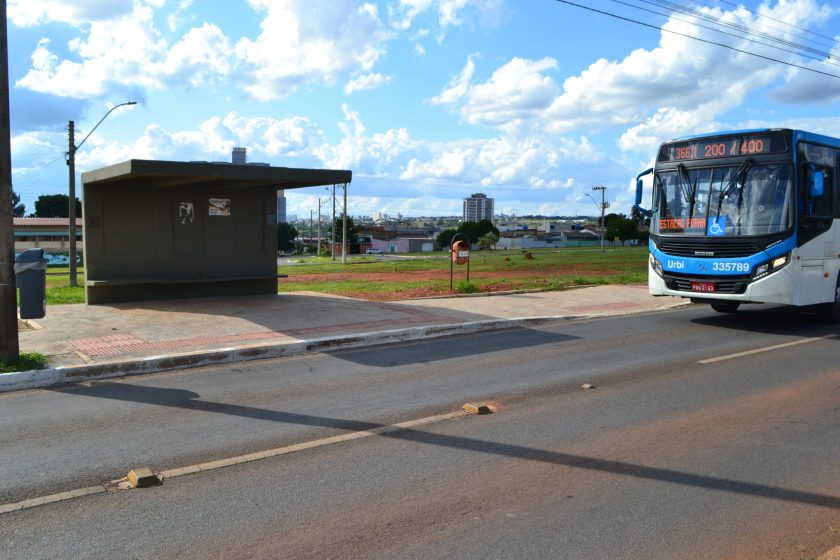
{"x": 286, "y": 234}
{"x": 486, "y": 226}
{"x": 621, "y": 227}
{"x": 18, "y": 209}
{"x": 352, "y": 234}
{"x": 444, "y": 238}
{"x": 488, "y": 240}
{"x": 474, "y": 230}
{"x": 55, "y": 206}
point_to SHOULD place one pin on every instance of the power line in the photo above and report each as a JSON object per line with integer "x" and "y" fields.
{"x": 730, "y": 34}
{"x": 831, "y": 39}
{"x": 732, "y": 25}
{"x": 616, "y": 16}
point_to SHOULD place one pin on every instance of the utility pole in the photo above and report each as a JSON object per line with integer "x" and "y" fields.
{"x": 71, "y": 199}
{"x": 344, "y": 229}
{"x": 9, "y": 346}
{"x": 318, "y": 252}
{"x": 604, "y": 206}
{"x": 72, "y": 148}
{"x": 332, "y": 228}
{"x": 310, "y": 228}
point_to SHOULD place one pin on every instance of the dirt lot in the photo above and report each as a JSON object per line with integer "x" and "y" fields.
{"x": 438, "y": 280}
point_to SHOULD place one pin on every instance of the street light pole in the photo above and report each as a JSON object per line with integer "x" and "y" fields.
{"x": 332, "y": 228}
{"x": 344, "y": 229}
{"x": 603, "y": 207}
{"x": 72, "y": 148}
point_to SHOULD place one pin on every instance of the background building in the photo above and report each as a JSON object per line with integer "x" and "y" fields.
{"x": 478, "y": 207}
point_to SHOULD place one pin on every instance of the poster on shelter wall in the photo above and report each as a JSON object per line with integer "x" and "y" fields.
{"x": 186, "y": 213}
{"x": 219, "y": 207}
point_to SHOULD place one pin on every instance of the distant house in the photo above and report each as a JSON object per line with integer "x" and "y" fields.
{"x": 582, "y": 238}
{"x": 50, "y": 234}
{"x": 538, "y": 240}
{"x": 404, "y": 244}
{"x": 532, "y": 241}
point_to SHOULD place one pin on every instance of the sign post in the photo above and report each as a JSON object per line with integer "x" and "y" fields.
{"x": 460, "y": 251}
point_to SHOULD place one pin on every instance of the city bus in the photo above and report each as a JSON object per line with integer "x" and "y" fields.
{"x": 746, "y": 217}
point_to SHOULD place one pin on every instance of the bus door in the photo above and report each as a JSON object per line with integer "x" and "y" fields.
{"x": 817, "y": 235}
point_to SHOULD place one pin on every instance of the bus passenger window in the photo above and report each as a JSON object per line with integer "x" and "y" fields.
{"x": 817, "y": 197}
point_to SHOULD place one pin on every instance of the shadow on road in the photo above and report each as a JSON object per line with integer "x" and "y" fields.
{"x": 180, "y": 398}
{"x": 454, "y": 346}
{"x": 782, "y": 320}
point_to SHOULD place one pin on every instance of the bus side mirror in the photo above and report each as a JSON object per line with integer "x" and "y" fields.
{"x": 639, "y": 188}
{"x": 817, "y": 184}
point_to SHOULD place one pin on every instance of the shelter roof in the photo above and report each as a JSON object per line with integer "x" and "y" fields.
{"x": 164, "y": 174}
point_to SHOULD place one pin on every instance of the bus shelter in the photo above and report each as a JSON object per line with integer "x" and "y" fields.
{"x": 164, "y": 229}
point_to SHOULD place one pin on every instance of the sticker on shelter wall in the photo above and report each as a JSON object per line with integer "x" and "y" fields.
{"x": 220, "y": 207}
{"x": 186, "y": 213}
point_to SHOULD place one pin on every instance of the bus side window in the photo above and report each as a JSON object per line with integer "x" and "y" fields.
{"x": 818, "y": 189}
{"x": 834, "y": 186}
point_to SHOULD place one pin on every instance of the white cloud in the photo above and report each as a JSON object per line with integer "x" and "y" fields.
{"x": 448, "y": 13}
{"x": 26, "y": 13}
{"x": 299, "y": 43}
{"x": 680, "y": 86}
{"x": 129, "y": 53}
{"x": 458, "y": 87}
{"x": 365, "y": 81}
{"x": 306, "y": 43}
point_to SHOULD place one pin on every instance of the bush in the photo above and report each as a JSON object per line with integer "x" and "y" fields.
{"x": 466, "y": 287}
{"x": 26, "y": 362}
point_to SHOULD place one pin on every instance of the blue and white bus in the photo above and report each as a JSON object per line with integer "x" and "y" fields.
{"x": 747, "y": 216}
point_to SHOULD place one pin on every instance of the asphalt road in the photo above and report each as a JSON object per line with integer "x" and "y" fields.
{"x": 671, "y": 455}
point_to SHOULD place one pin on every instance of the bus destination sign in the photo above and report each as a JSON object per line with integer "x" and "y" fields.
{"x": 732, "y": 146}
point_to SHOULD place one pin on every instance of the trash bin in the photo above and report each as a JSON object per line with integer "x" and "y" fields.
{"x": 31, "y": 278}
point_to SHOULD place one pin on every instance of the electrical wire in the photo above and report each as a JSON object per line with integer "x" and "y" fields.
{"x": 678, "y": 8}
{"x": 833, "y": 41}
{"x": 742, "y": 51}
{"x": 735, "y": 35}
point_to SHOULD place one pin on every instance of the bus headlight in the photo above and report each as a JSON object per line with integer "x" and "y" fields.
{"x": 656, "y": 265}
{"x": 764, "y": 269}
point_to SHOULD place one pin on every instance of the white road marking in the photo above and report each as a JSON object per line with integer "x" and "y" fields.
{"x": 211, "y": 465}
{"x": 764, "y": 349}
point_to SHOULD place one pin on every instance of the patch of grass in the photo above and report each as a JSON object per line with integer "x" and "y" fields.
{"x": 65, "y": 294}
{"x": 26, "y": 362}
{"x": 466, "y": 287}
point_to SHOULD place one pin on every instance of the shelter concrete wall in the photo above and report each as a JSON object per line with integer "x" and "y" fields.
{"x": 137, "y": 235}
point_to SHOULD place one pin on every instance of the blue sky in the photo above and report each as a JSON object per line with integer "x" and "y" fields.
{"x": 426, "y": 101}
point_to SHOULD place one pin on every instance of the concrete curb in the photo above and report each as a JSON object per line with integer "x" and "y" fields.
{"x": 17, "y": 381}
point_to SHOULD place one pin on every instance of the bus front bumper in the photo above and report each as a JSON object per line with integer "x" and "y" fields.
{"x": 777, "y": 287}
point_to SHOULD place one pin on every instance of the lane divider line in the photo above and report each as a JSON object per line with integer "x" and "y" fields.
{"x": 764, "y": 349}
{"x": 250, "y": 457}
{"x": 230, "y": 461}
{"x": 51, "y": 499}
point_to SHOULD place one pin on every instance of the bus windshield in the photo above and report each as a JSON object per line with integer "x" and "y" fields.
{"x": 729, "y": 201}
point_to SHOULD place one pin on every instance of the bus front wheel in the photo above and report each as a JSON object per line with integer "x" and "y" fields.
{"x": 830, "y": 312}
{"x": 726, "y": 306}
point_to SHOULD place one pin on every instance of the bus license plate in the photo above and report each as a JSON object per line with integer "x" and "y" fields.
{"x": 706, "y": 287}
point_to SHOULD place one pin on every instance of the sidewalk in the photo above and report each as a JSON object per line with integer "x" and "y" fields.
{"x": 96, "y": 341}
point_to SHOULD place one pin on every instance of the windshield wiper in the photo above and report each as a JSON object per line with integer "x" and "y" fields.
{"x": 691, "y": 193}
{"x": 733, "y": 182}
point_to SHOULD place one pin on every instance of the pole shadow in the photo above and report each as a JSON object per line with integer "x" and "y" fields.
{"x": 180, "y": 398}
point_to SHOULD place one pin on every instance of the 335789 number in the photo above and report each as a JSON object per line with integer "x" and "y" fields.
{"x": 730, "y": 267}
